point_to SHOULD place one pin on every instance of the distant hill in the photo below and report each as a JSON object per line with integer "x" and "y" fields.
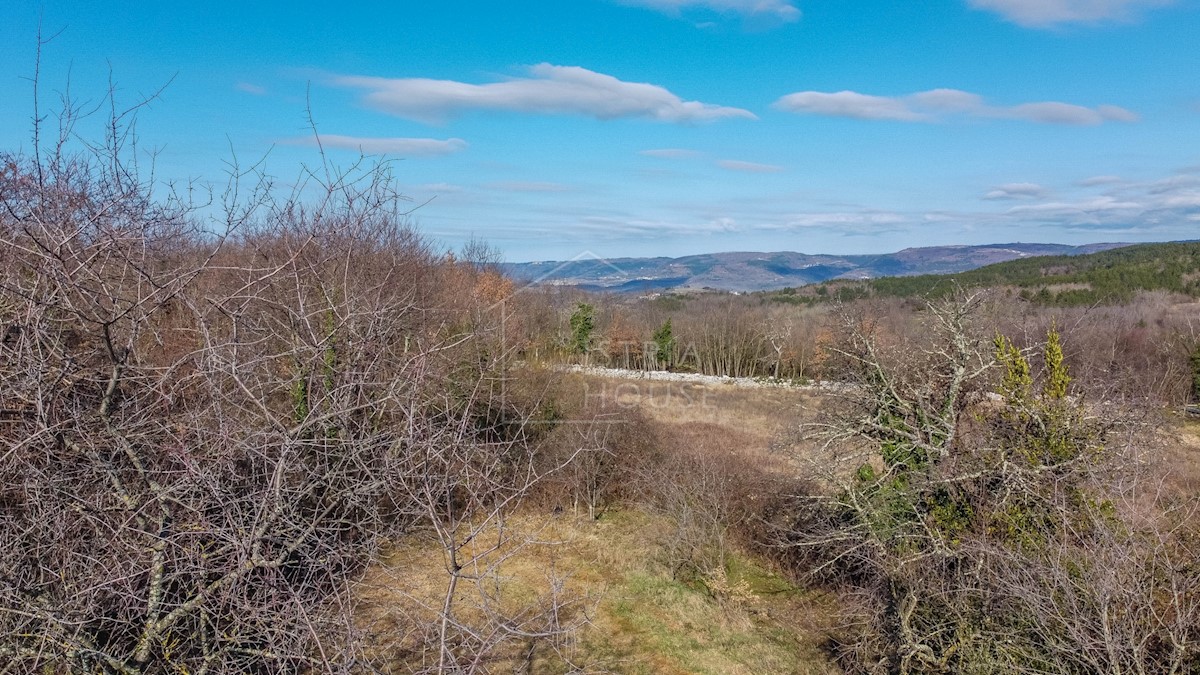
{"x": 766, "y": 271}
{"x": 1102, "y": 277}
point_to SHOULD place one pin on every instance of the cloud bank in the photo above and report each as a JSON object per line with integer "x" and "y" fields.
{"x": 938, "y": 105}
{"x": 1047, "y": 13}
{"x": 1168, "y": 205}
{"x": 550, "y": 90}
{"x": 1155, "y": 210}
{"x": 407, "y": 147}
{"x": 778, "y": 9}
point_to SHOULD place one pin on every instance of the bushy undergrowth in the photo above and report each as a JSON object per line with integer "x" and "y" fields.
{"x": 212, "y": 424}
{"x": 973, "y": 531}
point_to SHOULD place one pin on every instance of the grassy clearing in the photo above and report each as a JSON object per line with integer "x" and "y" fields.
{"x": 613, "y": 576}
{"x": 1183, "y": 455}
{"x": 761, "y": 412}
{"x": 638, "y": 618}
{"x": 760, "y": 424}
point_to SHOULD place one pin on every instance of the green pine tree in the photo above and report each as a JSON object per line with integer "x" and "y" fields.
{"x": 583, "y": 325}
{"x": 1195, "y": 358}
{"x": 664, "y": 343}
{"x": 1057, "y": 379}
{"x": 1017, "y": 381}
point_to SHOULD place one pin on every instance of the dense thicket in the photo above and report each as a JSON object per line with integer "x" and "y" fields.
{"x": 978, "y": 517}
{"x": 211, "y": 425}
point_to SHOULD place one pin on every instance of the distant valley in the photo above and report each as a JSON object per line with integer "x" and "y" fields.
{"x": 747, "y": 271}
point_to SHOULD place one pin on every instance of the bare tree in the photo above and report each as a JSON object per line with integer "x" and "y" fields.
{"x": 213, "y": 426}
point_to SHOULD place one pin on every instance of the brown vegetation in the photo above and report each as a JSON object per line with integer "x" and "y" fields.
{"x": 213, "y": 426}
{"x": 1022, "y": 531}
{"x": 295, "y": 438}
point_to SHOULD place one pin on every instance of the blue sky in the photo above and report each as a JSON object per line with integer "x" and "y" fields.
{"x": 669, "y": 127}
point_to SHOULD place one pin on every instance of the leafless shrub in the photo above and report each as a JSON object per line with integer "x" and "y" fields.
{"x": 980, "y": 519}
{"x": 610, "y": 445}
{"x": 212, "y": 427}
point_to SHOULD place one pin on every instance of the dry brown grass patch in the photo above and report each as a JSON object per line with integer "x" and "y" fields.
{"x": 639, "y": 619}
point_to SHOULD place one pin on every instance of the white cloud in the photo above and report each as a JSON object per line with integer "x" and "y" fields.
{"x": 939, "y": 104}
{"x": 948, "y": 101}
{"x": 407, "y": 147}
{"x": 1173, "y": 184}
{"x": 748, "y": 167}
{"x": 848, "y": 104}
{"x": 1016, "y": 191}
{"x": 1063, "y": 113}
{"x": 1046, "y": 13}
{"x": 778, "y": 9}
{"x": 847, "y": 223}
{"x": 633, "y": 226}
{"x": 670, "y": 153}
{"x": 1079, "y": 211}
{"x": 528, "y": 186}
{"x": 1162, "y": 209}
{"x": 440, "y": 187}
{"x": 1131, "y": 207}
{"x": 249, "y": 88}
{"x": 1100, "y": 180}
{"x": 550, "y": 89}
{"x": 1117, "y": 113}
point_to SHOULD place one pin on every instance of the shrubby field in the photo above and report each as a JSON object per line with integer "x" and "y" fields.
{"x": 281, "y": 431}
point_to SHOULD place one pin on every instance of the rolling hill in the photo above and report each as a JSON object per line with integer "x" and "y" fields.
{"x": 749, "y": 271}
{"x": 1103, "y": 277}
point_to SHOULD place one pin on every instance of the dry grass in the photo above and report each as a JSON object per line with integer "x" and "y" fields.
{"x": 616, "y": 573}
{"x": 537, "y": 564}
{"x": 761, "y": 424}
{"x": 639, "y": 619}
{"x": 763, "y": 412}
{"x": 1183, "y": 456}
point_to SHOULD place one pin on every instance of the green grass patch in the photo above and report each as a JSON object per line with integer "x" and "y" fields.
{"x": 748, "y": 622}
{"x": 642, "y": 621}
